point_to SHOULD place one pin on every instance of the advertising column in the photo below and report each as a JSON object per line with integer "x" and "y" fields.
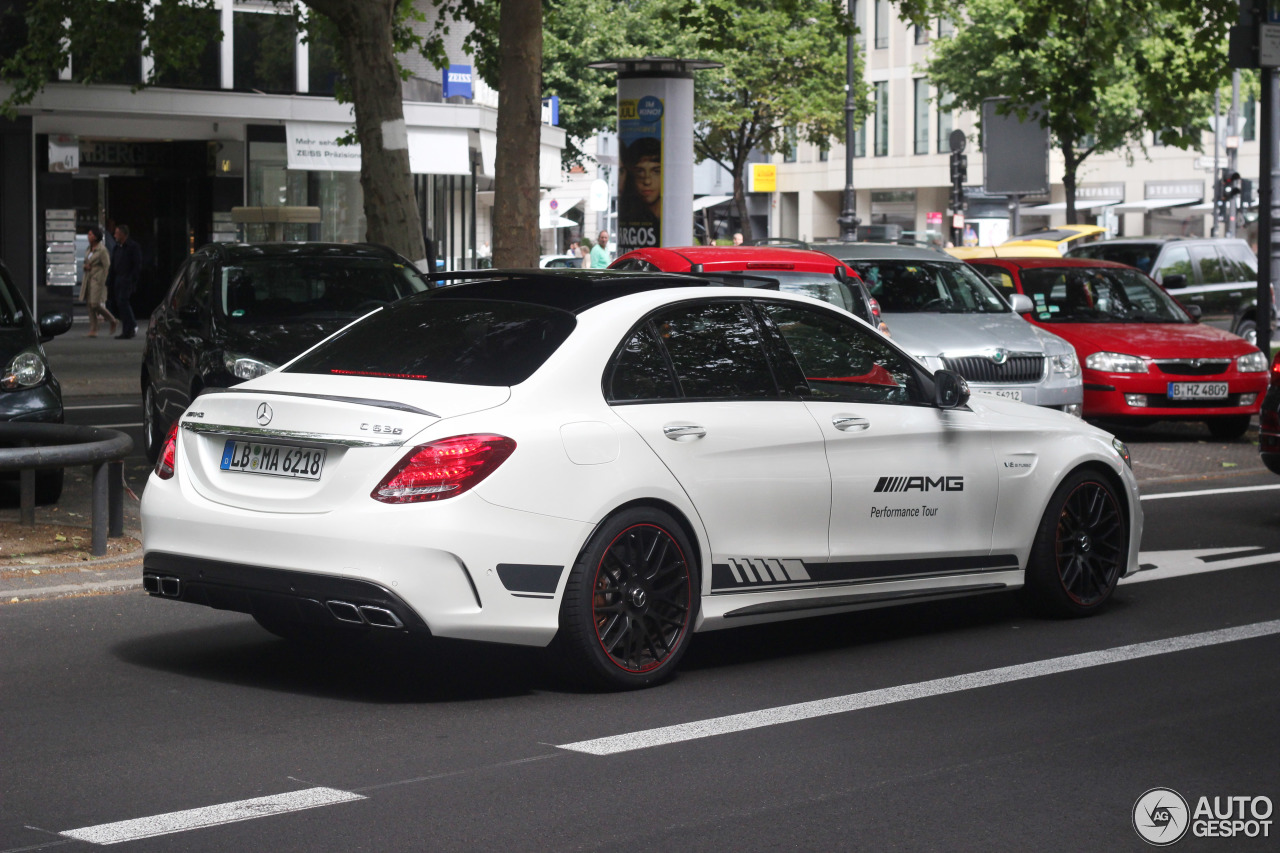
{"x": 655, "y": 150}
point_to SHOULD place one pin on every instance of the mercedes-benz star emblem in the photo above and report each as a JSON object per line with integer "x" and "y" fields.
{"x": 264, "y": 414}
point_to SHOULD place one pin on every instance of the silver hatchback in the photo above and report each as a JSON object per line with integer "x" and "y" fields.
{"x": 948, "y": 315}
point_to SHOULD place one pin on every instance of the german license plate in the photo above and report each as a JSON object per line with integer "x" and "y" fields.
{"x": 1197, "y": 390}
{"x": 279, "y": 460}
{"x": 1004, "y": 393}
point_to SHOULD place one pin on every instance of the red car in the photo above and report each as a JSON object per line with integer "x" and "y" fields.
{"x": 1144, "y": 356}
{"x": 814, "y": 274}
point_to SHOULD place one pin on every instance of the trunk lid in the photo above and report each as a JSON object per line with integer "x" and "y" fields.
{"x": 303, "y": 443}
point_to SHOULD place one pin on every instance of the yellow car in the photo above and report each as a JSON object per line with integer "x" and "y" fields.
{"x": 1028, "y": 249}
{"x": 1058, "y": 239}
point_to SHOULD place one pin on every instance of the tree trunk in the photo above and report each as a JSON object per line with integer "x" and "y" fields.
{"x": 515, "y": 180}
{"x": 390, "y": 206}
{"x": 740, "y": 201}
{"x": 1070, "y": 165}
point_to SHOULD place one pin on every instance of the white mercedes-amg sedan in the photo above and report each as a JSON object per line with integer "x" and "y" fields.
{"x": 606, "y": 463}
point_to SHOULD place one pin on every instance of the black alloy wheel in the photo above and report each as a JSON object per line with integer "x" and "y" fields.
{"x": 630, "y": 602}
{"x": 1080, "y": 549}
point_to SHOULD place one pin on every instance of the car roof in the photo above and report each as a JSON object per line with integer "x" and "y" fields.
{"x": 1033, "y": 263}
{"x": 573, "y": 290}
{"x": 1058, "y": 233}
{"x": 238, "y": 251}
{"x": 886, "y": 252}
{"x": 728, "y": 258}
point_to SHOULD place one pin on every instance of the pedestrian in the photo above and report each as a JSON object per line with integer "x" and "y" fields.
{"x": 599, "y": 256}
{"x": 122, "y": 280}
{"x": 93, "y": 291}
{"x": 737, "y": 238}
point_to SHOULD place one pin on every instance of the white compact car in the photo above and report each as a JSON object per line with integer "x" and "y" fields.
{"x": 613, "y": 461}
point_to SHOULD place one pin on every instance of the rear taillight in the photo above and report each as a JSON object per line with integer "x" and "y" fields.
{"x": 443, "y": 469}
{"x": 168, "y": 455}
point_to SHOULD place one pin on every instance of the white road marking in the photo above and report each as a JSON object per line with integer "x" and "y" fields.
{"x": 1203, "y": 492}
{"x": 907, "y": 692}
{"x": 165, "y": 824}
{"x": 1172, "y": 564}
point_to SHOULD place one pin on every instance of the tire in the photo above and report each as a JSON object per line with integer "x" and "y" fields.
{"x": 305, "y": 633}
{"x": 1248, "y": 330}
{"x": 1080, "y": 549}
{"x": 629, "y": 603}
{"x": 1228, "y": 428}
{"x": 49, "y": 486}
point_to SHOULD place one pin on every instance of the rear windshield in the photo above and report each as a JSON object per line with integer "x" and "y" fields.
{"x": 1140, "y": 255}
{"x": 1098, "y": 295}
{"x": 291, "y": 288}
{"x": 459, "y": 341}
{"x": 919, "y": 287}
{"x": 822, "y": 286}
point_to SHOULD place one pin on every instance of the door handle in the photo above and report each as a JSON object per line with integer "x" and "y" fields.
{"x": 683, "y": 432}
{"x": 847, "y": 423}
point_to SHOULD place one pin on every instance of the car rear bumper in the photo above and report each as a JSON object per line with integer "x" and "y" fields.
{"x": 462, "y": 568}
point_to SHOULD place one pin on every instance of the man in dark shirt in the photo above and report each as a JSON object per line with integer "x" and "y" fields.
{"x": 122, "y": 280}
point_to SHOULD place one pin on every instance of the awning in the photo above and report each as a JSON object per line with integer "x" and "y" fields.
{"x": 556, "y": 222}
{"x": 1153, "y": 204}
{"x": 710, "y": 201}
{"x": 1090, "y": 204}
{"x": 1202, "y": 207}
{"x": 313, "y": 146}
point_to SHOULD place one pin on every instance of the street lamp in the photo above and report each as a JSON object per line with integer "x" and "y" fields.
{"x": 848, "y": 218}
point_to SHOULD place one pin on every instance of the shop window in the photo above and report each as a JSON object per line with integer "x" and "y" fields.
{"x": 922, "y": 116}
{"x": 204, "y": 70}
{"x": 265, "y": 51}
{"x": 882, "y": 119}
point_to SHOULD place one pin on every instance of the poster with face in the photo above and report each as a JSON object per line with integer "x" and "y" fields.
{"x": 640, "y": 126}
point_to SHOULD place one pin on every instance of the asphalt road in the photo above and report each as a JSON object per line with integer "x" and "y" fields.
{"x": 961, "y": 725}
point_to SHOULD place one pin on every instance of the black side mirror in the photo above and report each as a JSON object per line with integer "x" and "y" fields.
{"x": 950, "y": 390}
{"x": 52, "y": 324}
{"x": 1194, "y": 310}
{"x": 1175, "y": 280}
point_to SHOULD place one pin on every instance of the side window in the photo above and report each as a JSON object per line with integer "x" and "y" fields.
{"x": 1175, "y": 261}
{"x": 998, "y": 276}
{"x": 640, "y": 371}
{"x": 716, "y": 351}
{"x": 1244, "y": 258}
{"x": 201, "y": 283}
{"x": 841, "y": 361}
{"x": 1211, "y": 271}
{"x": 181, "y": 290}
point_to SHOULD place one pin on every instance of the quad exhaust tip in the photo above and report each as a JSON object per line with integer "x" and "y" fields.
{"x": 162, "y": 585}
{"x": 363, "y": 614}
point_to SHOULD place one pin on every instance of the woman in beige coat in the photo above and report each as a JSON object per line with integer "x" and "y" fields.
{"x": 93, "y": 290}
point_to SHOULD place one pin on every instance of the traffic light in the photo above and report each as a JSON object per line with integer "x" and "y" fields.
{"x": 1246, "y": 193}
{"x": 959, "y": 174}
{"x": 1230, "y": 185}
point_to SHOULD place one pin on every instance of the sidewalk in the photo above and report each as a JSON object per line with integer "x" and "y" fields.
{"x": 53, "y": 558}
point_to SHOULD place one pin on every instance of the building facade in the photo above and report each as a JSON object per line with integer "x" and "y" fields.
{"x": 902, "y": 163}
{"x": 255, "y": 126}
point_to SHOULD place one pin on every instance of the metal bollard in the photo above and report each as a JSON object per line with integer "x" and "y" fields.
{"x": 99, "y": 509}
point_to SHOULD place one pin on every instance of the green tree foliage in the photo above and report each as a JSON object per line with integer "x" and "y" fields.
{"x": 1099, "y": 75}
